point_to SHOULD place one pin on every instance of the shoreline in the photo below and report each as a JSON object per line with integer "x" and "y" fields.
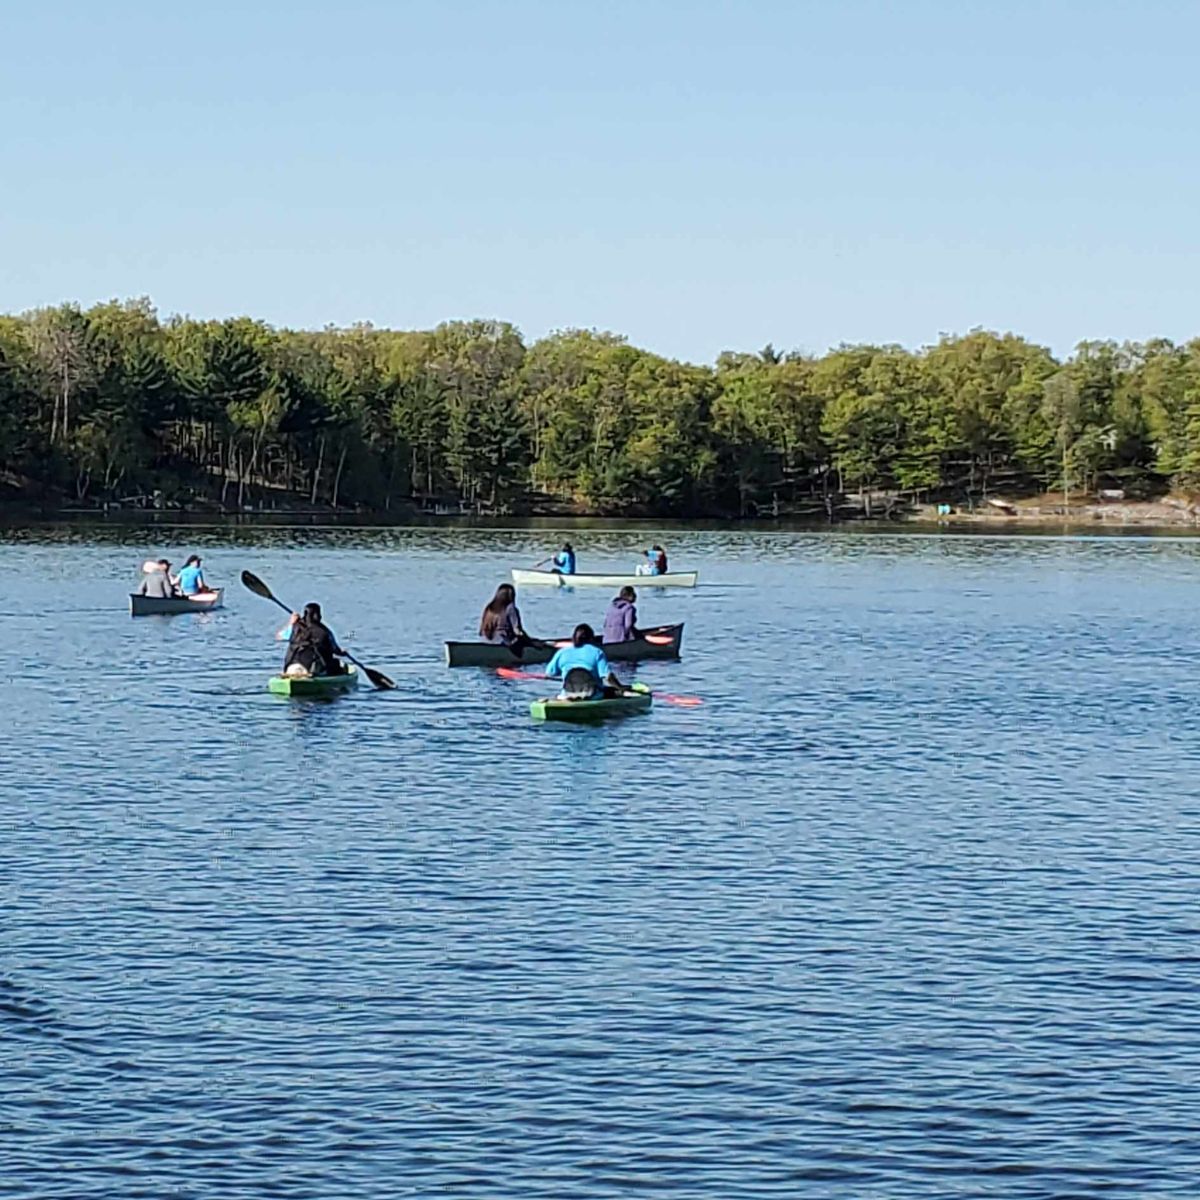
{"x": 1113, "y": 519}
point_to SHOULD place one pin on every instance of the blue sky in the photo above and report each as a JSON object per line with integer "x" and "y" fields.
{"x": 696, "y": 175}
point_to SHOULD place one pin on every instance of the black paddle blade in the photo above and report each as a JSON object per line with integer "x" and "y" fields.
{"x": 256, "y": 585}
{"x": 379, "y": 679}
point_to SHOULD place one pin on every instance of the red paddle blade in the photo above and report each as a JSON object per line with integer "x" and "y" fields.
{"x": 516, "y": 673}
{"x": 680, "y": 701}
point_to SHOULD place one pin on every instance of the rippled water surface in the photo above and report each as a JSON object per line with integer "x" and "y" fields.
{"x": 910, "y": 908}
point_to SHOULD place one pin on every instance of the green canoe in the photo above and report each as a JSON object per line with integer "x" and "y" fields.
{"x": 636, "y": 699}
{"x": 314, "y": 685}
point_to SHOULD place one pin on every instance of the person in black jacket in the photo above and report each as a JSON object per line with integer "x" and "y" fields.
{"x": 312, "y": 648}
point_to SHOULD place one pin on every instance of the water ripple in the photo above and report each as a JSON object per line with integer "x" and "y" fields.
{"x": 905, "y": 910}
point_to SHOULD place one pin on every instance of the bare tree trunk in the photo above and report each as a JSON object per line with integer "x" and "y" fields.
{"x": 316, "y": 479}
{"x": 66, "y": 393}
{"x": 337, "y": 479}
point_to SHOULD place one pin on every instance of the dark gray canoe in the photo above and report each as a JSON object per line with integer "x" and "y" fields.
{"x": 663, "y": 642}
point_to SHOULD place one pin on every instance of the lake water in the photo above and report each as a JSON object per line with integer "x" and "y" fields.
{"x": 908, "y": 909}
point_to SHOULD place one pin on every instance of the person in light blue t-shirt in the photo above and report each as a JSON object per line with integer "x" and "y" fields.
{"x": 564, "y": 560}
{"x": 191, "y": 578}
{"x": 582, "y": 666}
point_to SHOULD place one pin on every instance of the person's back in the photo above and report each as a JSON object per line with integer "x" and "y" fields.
{"x": 191, "y": 579}
{"x": 312, "y": 646}
{"x": 620, "y": 622}
{"x": 508, "y": 628}
{"x": 570, "y": 658}
{"x": 500, "y": 623}
{"x": 582, "y": 655}
{"x": 564, "y": 561}
{"x": 157, "y": 584}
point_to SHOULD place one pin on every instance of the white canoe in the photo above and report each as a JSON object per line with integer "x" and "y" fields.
{"x": 580, "y": 579}
{"x": 159, "y": 606}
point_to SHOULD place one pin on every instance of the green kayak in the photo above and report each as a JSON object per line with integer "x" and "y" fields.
{"x": 314, "y": 685}
{"x": 636, "y": 699}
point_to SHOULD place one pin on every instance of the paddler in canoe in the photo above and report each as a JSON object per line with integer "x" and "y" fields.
{"x": 500, "y": 622}
{"x": 312, "y": 648}
{"x": 582, "y": 667}
{"x": 563, "y": 563}
{"x": 620, "y": 622}
{"x": 656, "y": 562}
{"x": 191, "y": 577}
{"x": 157, "y": 581}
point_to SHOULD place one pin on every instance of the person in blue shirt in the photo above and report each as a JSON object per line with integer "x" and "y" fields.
{"x": 564, "y": 560}
{"x": 191, "y": 578}
{"x": 582, "y": 666}
{"x": 656, "y": 562}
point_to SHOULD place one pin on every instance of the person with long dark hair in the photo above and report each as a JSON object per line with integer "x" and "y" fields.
{"x": 500, "y": 622}
{"x": 312, "y": 648}
{"x": 191, "y": 578}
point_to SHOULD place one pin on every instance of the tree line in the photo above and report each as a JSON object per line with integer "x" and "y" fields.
{"x": 113, "y": 404}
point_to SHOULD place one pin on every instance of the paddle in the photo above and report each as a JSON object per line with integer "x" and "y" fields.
{"x": 256, "y": 585}
{"x": 665, "y": 697}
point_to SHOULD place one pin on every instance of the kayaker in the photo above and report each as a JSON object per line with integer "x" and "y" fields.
{"x": 500, "y": 623}
{"x": 564, "y": 560}
{"x": 581, "y": 666}
{"x": 191, "y": 578}
{"x": 158, "y": 583}
{"x": 620, "y": 622}
{"x": 312, "y": 648}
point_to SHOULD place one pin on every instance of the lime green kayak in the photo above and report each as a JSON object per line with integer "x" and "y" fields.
{"x": 314, "y": 685}
{"x": 636, "y": 699}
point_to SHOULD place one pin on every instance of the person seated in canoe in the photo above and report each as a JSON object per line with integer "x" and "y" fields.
{"x": 563, "y": 563}
{"x": 157, "y": 581}
{"x": 620, "y": 622}
{"x": 312, "y": 648}
{"x": 191, "y": 578}
{"x": 500, "y": 623}
{"x": 582, "y": 667}
{"x": 656, "y": 562}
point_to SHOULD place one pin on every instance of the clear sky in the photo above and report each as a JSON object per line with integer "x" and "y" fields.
{"x": 699, "y": 175}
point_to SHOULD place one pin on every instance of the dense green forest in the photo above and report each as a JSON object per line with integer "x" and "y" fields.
{"x": 113, "y": 404}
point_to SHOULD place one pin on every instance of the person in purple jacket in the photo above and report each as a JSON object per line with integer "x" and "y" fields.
{"x": 620, "y": 622}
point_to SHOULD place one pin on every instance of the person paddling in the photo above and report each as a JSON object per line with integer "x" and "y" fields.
{"x": 564, "y": 560}
{"x": 656, "y": 562}
{"x": 582, "y": 667}
{"x": 191, "y": 578}
{"x": 312, "y": 648}
{"x": 500, "y": 622}
{"x": 620, "y": 622}
{"x": 158, "y": 582}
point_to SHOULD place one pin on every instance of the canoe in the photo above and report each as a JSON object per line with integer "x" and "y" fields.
{"x": 582, "y": 579}
{"x": 314, "y": 686}
{"x": 663, "y": 642}
{"x": 636, "y": 699}
{"x": 161, "y": 606}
